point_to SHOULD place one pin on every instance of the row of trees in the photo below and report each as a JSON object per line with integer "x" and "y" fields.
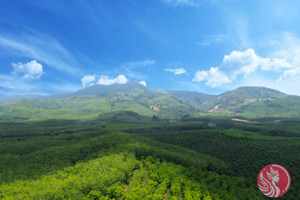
{"x": 122, "y": 176}
{"x": 246, "y": 152}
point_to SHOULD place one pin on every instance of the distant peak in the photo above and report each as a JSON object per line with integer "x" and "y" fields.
{"x": 109, "y": 89}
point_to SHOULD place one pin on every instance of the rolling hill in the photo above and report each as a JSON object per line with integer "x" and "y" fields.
{"x": 242, "y": 96}
{"x": 166, "y": 104}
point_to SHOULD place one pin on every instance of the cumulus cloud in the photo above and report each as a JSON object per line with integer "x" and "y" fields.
{"x": 88, "y": 80}
{"x": 30, "y": 70}
{"x": 240, "y": 64}
{"x": 213, "y": 77}
{"x": 43, "y": 48}
{"x": 143, "y": 83}
{"x": 105, "y": 80}
{"x": 176, "y": 71}
{"x": 246, "y": 62}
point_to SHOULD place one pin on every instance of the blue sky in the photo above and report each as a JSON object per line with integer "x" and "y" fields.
{"x": 209, "y": 46}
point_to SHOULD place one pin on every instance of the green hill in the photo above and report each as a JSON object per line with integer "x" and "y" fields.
{"x": 231, "y": 100}
{"x": 284, "y": 106}
{"x": 96, "y": 100}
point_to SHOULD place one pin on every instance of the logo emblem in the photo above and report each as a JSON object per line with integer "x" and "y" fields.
{"x": 274, "y": 180}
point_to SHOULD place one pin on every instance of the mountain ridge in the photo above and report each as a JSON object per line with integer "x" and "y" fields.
{"x": 166, "y": 104}
{"x": 103, "y": 89}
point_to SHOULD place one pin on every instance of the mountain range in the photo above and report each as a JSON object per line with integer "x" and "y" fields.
{"x": 97, "y": 100}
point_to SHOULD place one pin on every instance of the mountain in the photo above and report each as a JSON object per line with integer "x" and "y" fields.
{"x": 98, "y": 100}
{"x": 195, "y": 99}
{"x": 110, "y": 89}
{"x": 231, "y": 100}
{"x": 24, "y": 96}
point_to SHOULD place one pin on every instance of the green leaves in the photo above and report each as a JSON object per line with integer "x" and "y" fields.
{"x": 97, "y": 178}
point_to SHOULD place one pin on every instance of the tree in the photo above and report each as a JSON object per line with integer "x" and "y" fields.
{"x": 155, "y": 118}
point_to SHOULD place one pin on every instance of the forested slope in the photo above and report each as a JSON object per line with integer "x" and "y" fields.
{"x": 91, "y": 160}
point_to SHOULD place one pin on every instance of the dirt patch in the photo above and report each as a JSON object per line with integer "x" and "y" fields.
{"x": 155, "y": 108}
{"x": 244, "y": 120}
{"x": 215, "y": 109}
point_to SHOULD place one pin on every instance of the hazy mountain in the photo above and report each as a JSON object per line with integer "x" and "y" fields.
{"x": 99, "y": 99}
{"x": 110, "y": 89}
{"x": 194, "y": 99}
{"x": 24, "y": 96}
{"x": 188, "y": 95}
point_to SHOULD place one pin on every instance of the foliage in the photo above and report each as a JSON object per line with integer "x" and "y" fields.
{"x": 245, "y": 147}
{"x": 203, "y": 158}
{"x": 120, "y": 176}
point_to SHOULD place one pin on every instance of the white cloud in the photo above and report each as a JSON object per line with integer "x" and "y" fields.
{"x": 279, "y": 71}
{"x": 30, "y": 70}
{"x": 42, "y": 48}
{"x": 291, "y": 73}
{"x": 105, "y": 80}
{"x": 213, "y": 77}
{"x": 176, "y": 71}
{"x": 143, "y": 83}
{"x": 88, "y": 80}
{"x": 246, "y": 62}
{"x": 242, "y": 63}
{"x": 14, "y": 84}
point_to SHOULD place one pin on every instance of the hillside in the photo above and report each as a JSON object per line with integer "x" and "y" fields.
{"x": 231, "y": 100}
{"x": 280, "y": 107}
{"x": 96, "y": 100}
